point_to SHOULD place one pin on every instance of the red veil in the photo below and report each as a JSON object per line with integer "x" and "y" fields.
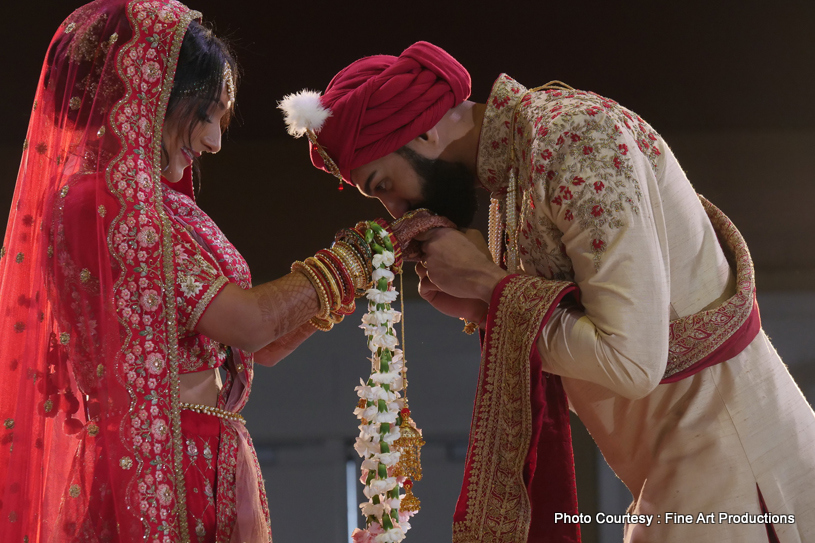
{"x": 90, "y": 445}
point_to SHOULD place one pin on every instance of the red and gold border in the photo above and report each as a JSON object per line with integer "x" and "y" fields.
{"x": 494, "y": 504}
{"x": 708, "y": 337}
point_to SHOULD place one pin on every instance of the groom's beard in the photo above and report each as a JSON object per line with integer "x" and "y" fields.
{"x": 448, "y": 188}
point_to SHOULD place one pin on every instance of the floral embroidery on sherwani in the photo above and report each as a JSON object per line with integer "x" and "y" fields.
{"x": 573, "y": 152}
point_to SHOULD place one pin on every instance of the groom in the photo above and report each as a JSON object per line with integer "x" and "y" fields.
{"x": 661, "y": 353}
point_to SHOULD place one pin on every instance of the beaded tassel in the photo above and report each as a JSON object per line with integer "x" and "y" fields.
{"x": 512, "y": 223}
{"x": 496, "y": 230}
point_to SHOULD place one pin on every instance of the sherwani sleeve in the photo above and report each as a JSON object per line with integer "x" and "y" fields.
{"x": 595, "y": 182}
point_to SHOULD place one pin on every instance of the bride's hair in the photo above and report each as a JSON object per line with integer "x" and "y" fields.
{"x": 199, "y": 80}
{"x": 199, "y": 76}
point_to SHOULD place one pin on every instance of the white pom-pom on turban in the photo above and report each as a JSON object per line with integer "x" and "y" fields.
{"x": 303, "y": 111}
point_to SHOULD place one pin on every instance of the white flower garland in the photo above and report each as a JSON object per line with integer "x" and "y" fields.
{"x": 381, "y": 403}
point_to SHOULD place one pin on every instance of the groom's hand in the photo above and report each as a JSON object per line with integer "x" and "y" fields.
{"x": 463, "y": 308}
{"x": 457, "y": 266}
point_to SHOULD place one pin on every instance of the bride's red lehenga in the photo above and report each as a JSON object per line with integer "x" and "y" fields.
{"x": 99, "y": 291}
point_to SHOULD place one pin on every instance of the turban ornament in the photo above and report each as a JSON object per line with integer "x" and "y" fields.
{"x": 305, "y": 115}
{"x": 375, "y": 106}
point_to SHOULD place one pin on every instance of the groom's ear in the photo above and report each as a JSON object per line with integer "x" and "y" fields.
{"x": 428, "y": 144}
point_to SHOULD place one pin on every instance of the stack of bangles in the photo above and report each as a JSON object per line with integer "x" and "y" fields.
{"x": 338, "y": 275}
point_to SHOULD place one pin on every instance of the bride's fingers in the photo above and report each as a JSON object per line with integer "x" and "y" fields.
{"x": 421, "y": 271}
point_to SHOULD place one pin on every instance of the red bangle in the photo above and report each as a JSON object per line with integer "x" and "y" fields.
{"x": 341, "y": 274}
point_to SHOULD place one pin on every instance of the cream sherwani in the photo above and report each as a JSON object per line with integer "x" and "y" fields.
{"x": 604, "y": 203}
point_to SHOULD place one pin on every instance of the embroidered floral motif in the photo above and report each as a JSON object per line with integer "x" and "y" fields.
{"x": 189, "y": 286}
{"x": 84, "y": 45}
{"x": 150, "y": 428}
{"x": 147, "y": 237}
{"x": 227, "y": 467}
{"x": 230, "y": 262}
{"x": 574, "y": 164}
{"x": 205, "y": 262}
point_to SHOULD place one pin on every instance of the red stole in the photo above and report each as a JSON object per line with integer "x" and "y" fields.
{"x": 520, "y": 469}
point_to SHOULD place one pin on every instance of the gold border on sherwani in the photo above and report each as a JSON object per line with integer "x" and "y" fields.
{"x": 498, "y": 509}
{"x": 696, "y": 336}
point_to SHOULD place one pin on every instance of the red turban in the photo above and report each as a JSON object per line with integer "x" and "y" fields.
{"x": 380, "y": 103}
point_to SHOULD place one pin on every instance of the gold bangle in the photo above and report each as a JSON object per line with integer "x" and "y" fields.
{"x": 324, "y": 325}
{"x": 311, "y": 275}
{"x": 336, "y": 318}
{"x": 320, "y": 324}
{"x": 340, "y": 273}
{"x": 319, "y": 287}
{"x": 336, "y": 300}
{"x": 356, "y": 239}
{"x": 348, "y": 309}
{"x": 362, "y": 279}
{"x": 350, "y": 262}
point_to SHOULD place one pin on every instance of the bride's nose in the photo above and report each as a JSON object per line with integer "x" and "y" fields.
{"x": 211, "y": 137}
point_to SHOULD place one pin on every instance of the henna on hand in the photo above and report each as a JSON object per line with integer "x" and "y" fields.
{"x": 276, "y": 351}
{"x": 286, "y": 303}
{"x": 412, "y": 224}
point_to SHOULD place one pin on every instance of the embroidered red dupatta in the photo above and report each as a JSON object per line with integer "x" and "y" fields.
{"x": 90, "y": 448}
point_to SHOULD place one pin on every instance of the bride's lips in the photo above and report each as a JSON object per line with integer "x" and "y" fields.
{"x": 190, "y": 154}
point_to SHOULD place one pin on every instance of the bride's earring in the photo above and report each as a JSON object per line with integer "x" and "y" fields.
{"x": 164, "y": 153}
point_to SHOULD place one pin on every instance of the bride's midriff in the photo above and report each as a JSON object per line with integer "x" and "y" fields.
{"x": 201, "y": 387}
